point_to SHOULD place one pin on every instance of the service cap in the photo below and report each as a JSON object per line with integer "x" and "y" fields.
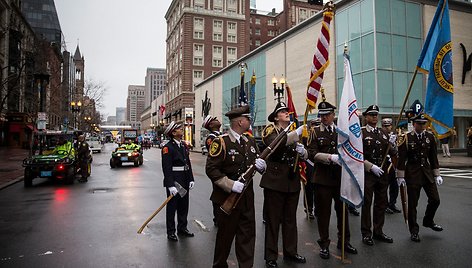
{"x": 325, "y": 108}
{"x": 279, "y": 107}
{"x": 387, "y": 121}
{"x": 207, "y": 121}
{"x": 171, "y": 127}
{"x": 238, "y": 111}
{"x": 372, "y": 110}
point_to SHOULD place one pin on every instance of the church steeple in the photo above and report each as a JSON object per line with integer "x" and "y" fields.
{"x": 77, "y": 55}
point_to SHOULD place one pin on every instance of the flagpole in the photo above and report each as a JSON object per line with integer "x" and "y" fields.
{"x": 343, "y": 236}
{"x": 400, "y": 114}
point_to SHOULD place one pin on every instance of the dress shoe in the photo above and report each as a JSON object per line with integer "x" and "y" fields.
{"x": 434, "y": 226}
{"x": 383, "y": 237}
{"x": 295, "y": 258}
{"x": 368, "y": 240}
{"x": 271, "y": 264}
{"x": 395, "y": 209}
{"x": 353, "y": 211}
{"x": 389, "y": 211}
{"x": 172, "y": 237}
{"x": 311, "y": 216}
{"x": 415, "y": 238}
{"x": 348, "y": 248}
{"x": 186, "y": 233}
{"x": 324, "y": 253}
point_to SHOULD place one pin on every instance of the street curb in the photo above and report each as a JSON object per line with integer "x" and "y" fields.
{"x": 7, "y": 184}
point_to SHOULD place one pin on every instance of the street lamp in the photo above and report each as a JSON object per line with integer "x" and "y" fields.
{"x": 87, "y": 120}
{"x": 278, "y": 91}
{"x": 75, "y": 108}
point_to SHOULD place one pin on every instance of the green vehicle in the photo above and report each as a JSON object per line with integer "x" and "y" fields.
{"x": 122, "y": 155}
{"x": 51, "y": 162}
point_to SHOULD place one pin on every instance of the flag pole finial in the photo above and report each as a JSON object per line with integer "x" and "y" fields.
{"x": 323, "y": 97}
{"x": 345, "y": 47}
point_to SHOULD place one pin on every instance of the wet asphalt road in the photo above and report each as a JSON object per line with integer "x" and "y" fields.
{"x": 95, "y": 224}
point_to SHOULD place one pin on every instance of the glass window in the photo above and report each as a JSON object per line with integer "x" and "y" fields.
{"x": 398, "y": 15}
{"x": 400, "y": 85}
{"x": 258, "y": 32}
{"x": 382, "y": 16}
{"x": 258, "y": 43}
{"x": 417, "y": 88}
{"x": 368, "y": 90}
{"x": 355, "y": 54}
{"x": 384, "y": 88}
{"x": 232, "y": 38}
{"x": 354, "y": 21}
{"x": 217, "y": 25}
{"x": 399, "y": 53}
{"x": 341, "y": 28}
{"x": 339, "y": 61}
{"x": 367, "y": 16}
{"x": 384, "y": 51}
{"x": 413, "y": 52}
{"x": 258, "y": 21}
{"x": 368, "y": 58}
{"x": 413, "y": 19}
{"x": 198, "y": 35}
{"x": 217, "y": 37}
{"x": 232, "y": 26}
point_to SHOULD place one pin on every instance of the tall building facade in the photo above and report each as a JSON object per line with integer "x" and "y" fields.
{"x": 42, "y": 16}
{"x": 120, "y": 115}
{"x": 203, "y": 36}
{"x": 155, "y": 84}
{"x": 135, "y": 103}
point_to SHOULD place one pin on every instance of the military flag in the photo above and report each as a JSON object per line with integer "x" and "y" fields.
{"x": 436, "y": 59}
{"x": 350, "y": 149}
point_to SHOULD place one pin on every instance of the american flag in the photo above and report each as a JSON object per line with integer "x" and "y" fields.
{"x": 320, "y": 61}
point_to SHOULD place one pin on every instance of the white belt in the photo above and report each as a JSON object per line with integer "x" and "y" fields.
{"x": 179, "y": 168}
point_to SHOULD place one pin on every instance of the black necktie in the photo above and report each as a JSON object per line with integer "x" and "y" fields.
{"x": 330, "y": 130}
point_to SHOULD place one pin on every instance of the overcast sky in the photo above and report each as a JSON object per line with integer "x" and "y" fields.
{"x": 119, "y": 39}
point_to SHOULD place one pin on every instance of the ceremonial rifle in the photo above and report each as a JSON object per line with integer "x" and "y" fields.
{"x": 232, "y": 200}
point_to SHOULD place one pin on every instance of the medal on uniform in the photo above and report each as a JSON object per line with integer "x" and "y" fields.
{"x": 253, "y": 150}
{"x": 427, "y": 140}
{"x": 384, "y": 137}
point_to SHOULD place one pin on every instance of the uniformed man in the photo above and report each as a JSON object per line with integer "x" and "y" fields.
{"x": 230, "y": 155}
{"x": 83, "y": 154}
{"x": 418, "y": 167}
{"x": 281, "y": 183}
{"x": 327, "y": 178}
{"x": 213, "y": 125}
{"x": 177, "y": 169}
{"x": 375, "y": 144}
{"x": 392, "y": 184}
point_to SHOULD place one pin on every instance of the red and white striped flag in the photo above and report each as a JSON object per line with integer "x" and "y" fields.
{"x": 320, "y": 61}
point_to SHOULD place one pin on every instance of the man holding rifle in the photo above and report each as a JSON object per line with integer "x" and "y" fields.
{"x": 281, "y": 185}
{"x": 230, "y": 155}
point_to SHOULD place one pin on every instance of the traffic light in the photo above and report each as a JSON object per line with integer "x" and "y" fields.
{"x": 315, "y": 2}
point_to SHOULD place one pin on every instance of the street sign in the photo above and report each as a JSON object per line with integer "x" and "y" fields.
{"x": 417, "y": 107}
{"x": 42, "y": 116}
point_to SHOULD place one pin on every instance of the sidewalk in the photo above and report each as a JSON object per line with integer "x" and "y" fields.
{"x": 11, "y": 170}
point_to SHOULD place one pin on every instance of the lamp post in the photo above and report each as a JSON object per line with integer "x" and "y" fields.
{"x": 279, "y": 91}
{"x": 87, "y": 120}
{"x": 75, "y": 108}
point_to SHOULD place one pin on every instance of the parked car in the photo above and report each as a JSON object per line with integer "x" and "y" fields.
{"x": 95, "y": 144}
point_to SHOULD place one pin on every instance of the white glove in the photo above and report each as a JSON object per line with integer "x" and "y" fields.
{"x": 260, "y": 165}
{"x": 172, "y": 190}
{"x": 393, "y": 139}
{"x": 439, "y": 180}
{"x": 191, "y": 184}
{"x": 401, "y": 181}
{"x": 299, "y": 130}
{"x": 335, "y": 159}
{"x": 301, "y": 149}
{"x": 237, "y": 187}
{"x": 376, "y": 170}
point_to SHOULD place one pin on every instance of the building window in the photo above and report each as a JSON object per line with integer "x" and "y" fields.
{"x": 217, "y": 37}
{"x": 218, "y": 5}
{"x": 270, "y": 22}
{"x": 198, "y": 23}
{"x": 231, "y": 52}
{"x": 198, "y": 35}
{"x": 230, "y": 62}
{"x": 232, "y": 26}
{"x": 197, "y": 60}
{"x": 217, "y": 52}
{"x": 197, "y": 74}
{"x": 258, "y": 43}
{"x": 270, "y": 33}
{"x": 232, "y": 38}
{"x": 258, "y": 21}
{"x": 199, "y": 3}
{"x": 302, "y": 15}
{"x": 217, "y": 63}
{"x": 258, "y": 32}
{"x": 198, "y": 48}
{"x": 217, "y": 25}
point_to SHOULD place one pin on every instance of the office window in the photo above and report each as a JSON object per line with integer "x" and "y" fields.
{"x": 258, "y": 32}
{"x": 258, "y": 43}
{"x": 197, "y": 74}
{"x": 217, "y": 37}
{"x": 232, "y": 26}
{"x": 198, "y": 23}
{"x": 218, "y": 5}
{"x": 199, "y": 3}
{"x": 231, "y": 51}
{"x": 197, "y": 60}
{"x": 198, "y": 48}
{"x": 270, "y": 22}
{"x": 217, "y": 63}
{"x": 232, "y": 38}
{"x": 198, "y": 35}
{"x": 270, "y": 33}
{"x": 217, "y": 25}
{"x": 258, "y": 21}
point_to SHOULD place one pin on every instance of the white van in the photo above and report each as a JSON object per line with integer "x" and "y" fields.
{"x": 94, "y": 144}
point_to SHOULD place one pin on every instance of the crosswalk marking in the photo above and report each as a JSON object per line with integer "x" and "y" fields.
{"x": 456, "y": 173}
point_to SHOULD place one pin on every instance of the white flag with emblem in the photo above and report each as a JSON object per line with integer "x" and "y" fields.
{"x": 350, "y": 149}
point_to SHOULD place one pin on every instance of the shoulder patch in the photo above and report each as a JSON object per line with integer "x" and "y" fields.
{"x": 216, "y": 147}
{"x": 268, "y": 130}
{"x": 165, "y": 150}
{"x": 401, "y": 139}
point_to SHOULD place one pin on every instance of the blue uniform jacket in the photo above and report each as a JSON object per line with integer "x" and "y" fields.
{"x": 176, "y": 165}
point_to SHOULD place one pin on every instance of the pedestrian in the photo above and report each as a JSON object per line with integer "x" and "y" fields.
{"x": 445, "y": 146}
{"x": 213, "y": 125}
{"x": 392, "y": 181}
{"x": 327, "y": 178}
{"x": 230, "y": 155}
{"x": 418, "y": 167}
{"x": 281, "y": 184}
{"x": 177, "y": 170}
{"x": 83, "y": 156}
{"x": 375, "y": 143}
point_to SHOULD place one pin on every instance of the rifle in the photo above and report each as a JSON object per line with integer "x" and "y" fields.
{"x": 232, "y": 200}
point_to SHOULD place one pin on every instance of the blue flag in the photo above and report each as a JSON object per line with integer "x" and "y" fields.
{"x": 436, "y": 59}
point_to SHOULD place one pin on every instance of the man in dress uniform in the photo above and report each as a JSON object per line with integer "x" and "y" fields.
{"x": 177, "y": 169}
{"x": 213, "y": 125}
{"x": 375, "y": 143}
{"x": 230, "y": 155}
{"x": 392, "y": 181}
{"x": 281, "y": 183}
{"x": 327, "y": 178}
{"x": 83, "y": 154}
{"x": 418, "y": 167}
